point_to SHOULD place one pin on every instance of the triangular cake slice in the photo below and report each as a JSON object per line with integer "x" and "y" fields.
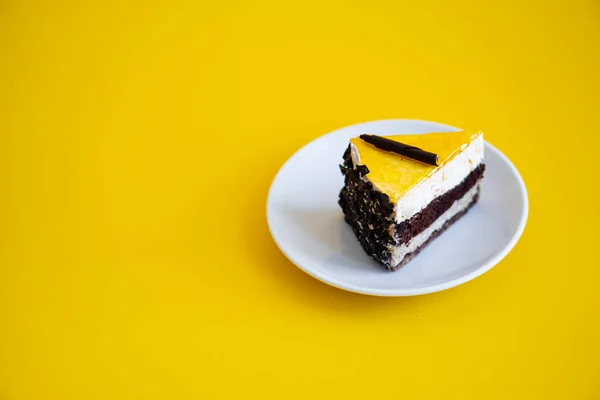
{"x": 397, "y": 205}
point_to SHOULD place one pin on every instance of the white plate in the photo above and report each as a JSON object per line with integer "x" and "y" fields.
{"x": 308, "y": 226}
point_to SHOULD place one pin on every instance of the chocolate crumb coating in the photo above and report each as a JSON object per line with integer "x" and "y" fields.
{"x": 371, "y": 214}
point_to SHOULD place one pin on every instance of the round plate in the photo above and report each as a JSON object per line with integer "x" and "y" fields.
{"x": 308, "y": 226}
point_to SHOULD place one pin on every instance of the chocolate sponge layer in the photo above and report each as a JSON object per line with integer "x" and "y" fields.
{"x": 411, "y": 227}
{"x": 370, "y": 212}
{"x": 435, "y": 234}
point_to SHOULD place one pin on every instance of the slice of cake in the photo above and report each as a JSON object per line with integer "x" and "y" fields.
{"x": 403, "y": 191}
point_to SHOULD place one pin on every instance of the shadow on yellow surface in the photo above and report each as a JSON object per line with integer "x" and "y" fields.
{"x": 139, "y": 140}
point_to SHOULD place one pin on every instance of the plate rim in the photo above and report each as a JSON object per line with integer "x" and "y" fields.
{"x": 414, "y": 291}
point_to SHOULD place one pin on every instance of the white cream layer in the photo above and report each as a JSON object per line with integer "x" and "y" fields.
{"x": 399, "y": 252}
{"x": 441, "y": 181}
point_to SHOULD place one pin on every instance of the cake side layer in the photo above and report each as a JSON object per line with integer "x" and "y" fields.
{"x": 368, "y": 211}
{"x": 409, "y": 228}
{"x": 435, "y": 232}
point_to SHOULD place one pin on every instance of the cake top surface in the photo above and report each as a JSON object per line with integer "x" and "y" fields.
{"x": 394, "y": 174}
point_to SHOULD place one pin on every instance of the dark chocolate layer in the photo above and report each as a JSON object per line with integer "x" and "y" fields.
{"x": 420, "y": 221}
{"x": 435, "y": 234}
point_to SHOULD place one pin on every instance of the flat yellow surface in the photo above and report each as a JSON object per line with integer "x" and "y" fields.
{"x": 138, "y": 143}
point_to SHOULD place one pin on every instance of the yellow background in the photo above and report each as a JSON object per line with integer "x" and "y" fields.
{"x": 138, "y": 142}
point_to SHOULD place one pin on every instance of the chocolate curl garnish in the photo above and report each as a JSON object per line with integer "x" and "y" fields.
{"x": 405, "y": 150}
